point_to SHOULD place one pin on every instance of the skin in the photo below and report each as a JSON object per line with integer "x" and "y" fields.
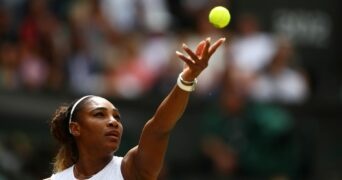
{"x": 145, "y": 160}
{"x": 97, "y": 135}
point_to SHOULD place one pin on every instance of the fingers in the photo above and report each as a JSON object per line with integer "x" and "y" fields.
{"x": 203, "y": 52}
{"x": 187, "y": 60}
{"x": 190, "y": 53}
{"x": 217, "y": 44}
{"x": 206, "y": 47}
{"x": 200, "y": 47}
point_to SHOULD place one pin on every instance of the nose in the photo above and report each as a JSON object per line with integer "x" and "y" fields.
{"x": 113, "y": 122}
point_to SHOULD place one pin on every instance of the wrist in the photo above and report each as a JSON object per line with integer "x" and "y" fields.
{"x": 186, "y": 85}
{"x": 186, "y": 77}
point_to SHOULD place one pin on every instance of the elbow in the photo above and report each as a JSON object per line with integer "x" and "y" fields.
{"x": 158, "y": 128}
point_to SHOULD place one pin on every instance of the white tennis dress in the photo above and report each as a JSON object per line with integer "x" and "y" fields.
{"x": 111, "y": 171}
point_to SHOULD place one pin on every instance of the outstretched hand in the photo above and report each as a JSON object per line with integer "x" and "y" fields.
{"x": 197, "y": 61}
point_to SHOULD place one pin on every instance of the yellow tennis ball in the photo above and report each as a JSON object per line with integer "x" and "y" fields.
{"x": 219, "y": 16}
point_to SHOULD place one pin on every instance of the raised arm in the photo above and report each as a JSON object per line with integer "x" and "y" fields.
{"x": 146, "y": 160}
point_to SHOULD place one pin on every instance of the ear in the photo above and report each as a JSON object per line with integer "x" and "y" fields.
{"x": 74, "y": 128}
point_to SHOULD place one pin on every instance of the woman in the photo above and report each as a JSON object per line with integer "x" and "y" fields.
{"x": 90, "y": 130}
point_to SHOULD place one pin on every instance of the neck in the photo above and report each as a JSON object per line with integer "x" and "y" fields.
{"x": 80, "y": 175}
{"x": 88, "y": 165}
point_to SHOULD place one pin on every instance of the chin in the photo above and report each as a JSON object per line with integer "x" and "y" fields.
{"x": 112, "y": 147}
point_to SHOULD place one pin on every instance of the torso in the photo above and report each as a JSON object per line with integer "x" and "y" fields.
{"x": 111, "y": 171}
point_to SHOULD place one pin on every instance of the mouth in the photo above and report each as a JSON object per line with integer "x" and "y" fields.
{"x": 113, "y": 135}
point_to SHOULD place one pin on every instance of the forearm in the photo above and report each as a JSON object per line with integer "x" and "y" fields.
{"x": 170, "y": 110}
{"x": 147, "y": 158}
{"x": 153, "y": 142}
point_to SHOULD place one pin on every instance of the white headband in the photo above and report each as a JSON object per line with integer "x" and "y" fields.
{"x": 75, "y": 105}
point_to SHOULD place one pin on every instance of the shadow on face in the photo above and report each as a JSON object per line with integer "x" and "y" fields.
{"x": 97, "y": 126}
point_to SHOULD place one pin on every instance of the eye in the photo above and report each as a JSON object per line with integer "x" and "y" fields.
{"x": 99, "y": 114}
{"x": 117, "y": 117}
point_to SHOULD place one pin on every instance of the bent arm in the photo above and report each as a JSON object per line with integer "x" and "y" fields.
{"x": 146, "y": 160}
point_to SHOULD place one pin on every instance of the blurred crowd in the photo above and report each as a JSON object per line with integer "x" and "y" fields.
{"x": 120, "y": 48}
{"x": 126, "y": 49}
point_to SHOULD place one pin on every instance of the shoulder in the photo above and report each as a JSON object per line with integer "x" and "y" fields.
{"x": 128, "y": 167}
{"x": 131, "y": 168}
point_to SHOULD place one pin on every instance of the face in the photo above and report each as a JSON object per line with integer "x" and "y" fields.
{"x": 98, "y": 126}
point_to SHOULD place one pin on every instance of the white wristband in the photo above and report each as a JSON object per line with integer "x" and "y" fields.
{"x": 186, "y": 87}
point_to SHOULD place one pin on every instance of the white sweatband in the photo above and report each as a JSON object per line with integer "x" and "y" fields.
{"x": 75, "y": 105}
{"x": 188, "y": 86}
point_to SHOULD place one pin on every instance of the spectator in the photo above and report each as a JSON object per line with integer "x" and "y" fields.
{"x": 249, "y": 52}
{"x": 281, "y": 81}
{"x": 9, "y": 61}
{"x": 245, "y": 140}
{"x": 41, "y": 39}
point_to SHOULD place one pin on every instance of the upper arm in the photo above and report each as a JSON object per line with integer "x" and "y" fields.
{"x": 130, "y": 169}
{"x": 146, "y": 159}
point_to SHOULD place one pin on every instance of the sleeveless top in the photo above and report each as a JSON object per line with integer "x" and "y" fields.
{"x": 111, "y": 171}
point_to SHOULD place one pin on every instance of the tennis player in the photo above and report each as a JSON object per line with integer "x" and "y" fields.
{"x": 89, "y": 130}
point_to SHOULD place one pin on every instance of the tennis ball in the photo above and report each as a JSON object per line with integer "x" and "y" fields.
{"x": 219, "y": 16}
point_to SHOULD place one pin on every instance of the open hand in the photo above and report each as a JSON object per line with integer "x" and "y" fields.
{"x": 197, "y": 61}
